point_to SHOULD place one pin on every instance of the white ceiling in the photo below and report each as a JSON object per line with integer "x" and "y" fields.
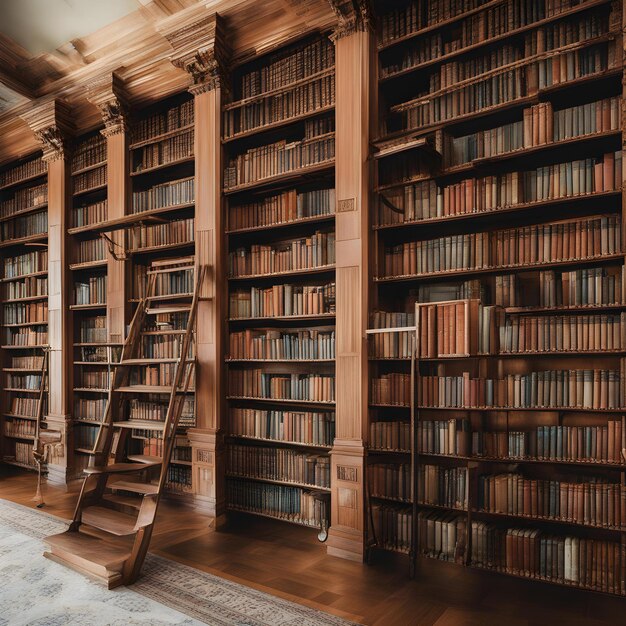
{"x": 44, "y": 25}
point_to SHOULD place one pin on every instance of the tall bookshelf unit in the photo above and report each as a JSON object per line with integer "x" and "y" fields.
{"x": 162, "y": 169}
{"x": 499, "y": 187}
{"x": 279, "y": 139}
{"x": 24, "y": 285}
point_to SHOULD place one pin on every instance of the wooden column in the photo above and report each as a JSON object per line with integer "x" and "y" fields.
{"x": 201, "y": 51}
{"x": 50, "y": 121}
{"x": 109, "y": 96}
{"x": 354, "y": 52}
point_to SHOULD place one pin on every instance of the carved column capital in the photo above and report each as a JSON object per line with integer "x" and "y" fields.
{"x": 352, "y": 16}
{"x": 109, "y": 95}
{"x": 199, "y": 47}
{"x": 51, "y": 124}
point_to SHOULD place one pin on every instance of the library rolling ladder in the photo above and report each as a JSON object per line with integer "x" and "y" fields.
{"x": 109, "y": 535}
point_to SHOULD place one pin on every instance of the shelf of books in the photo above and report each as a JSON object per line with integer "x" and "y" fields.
{"x": 278, "y": 134}
{"x": 162, "y": 180}
{"x": 24, "y": 293}
{"x": 497, "y": 398}
{"x": 93, "y": 357}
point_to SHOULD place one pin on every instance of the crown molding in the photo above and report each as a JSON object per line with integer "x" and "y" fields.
{"x": 51, "y": 123}
{"x": 352, "y": 16}
{"x": 108, "y": 94}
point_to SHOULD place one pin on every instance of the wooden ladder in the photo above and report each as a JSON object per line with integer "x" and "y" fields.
{"x": 110, "y": 533}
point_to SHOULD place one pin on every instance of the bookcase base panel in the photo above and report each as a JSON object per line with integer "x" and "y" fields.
{"x": 345, "y": 544}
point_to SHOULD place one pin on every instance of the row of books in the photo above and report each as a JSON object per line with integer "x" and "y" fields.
{"x": 173, "y": 232}
{"x": 19, "y": 428}
{"x": 282, "y": 157}
{"x": 391, "y": 526}
{"x": 585, "y": 238}
{"x": 256, "y": 383}
{"x": 283, "y": 502}
{"x": 585, "y": 501}
{"x": 172, "y": 283}
{"x": 305, "y": 427}
{"x": 289, "y": 206}
{"x": 288, "y": 66}
{"x": 162, "y": 374}
{"x": 296, "y": 345}
{"x": 26, "y": 313}
{"x": 167, "y": 321}
{"x": 166, "y": 151}
{"x": 91, "y": 291}
{"x": 92, "y": 213}
{"x": 392, "y": 435}
{"x": 442, "y": 486}
{"x": 600, "y": 444}
{"x": 162, "y": 346}
{"x": 389, "y": 480}
{"x": 31, "y": 168}
{"x": 541, "y": 125}
{"x": 155, "y": 409}
{"x": 84, "y": 436}
{"x": 27, "y": 263}
{"x": 299, "y": 100}
{"x": 23, "y": 381}
{"x": 442, "y": 535}
{"x": 589, "y": 563}
{"x": 534, "y": 42}
{"x": 27, "y": 362}
{"x": 509, "y": 15}
{"x": 24, "y": 199}
{"x": 90, "y": 250}
{"x": 282, "y": 301}
{"x": 182, "y": 449}
{"x": 26, "y": 337}
{"x": 583, "y": 389}
{"x": 89, "y": 408}
{"x": 179, "y": 479}
{"x": 593, "y": 286}
{"x": 89, "y": 152}
{"x": 99, "y": 354}
{"x": 503, "y": 191}
{"x": 26, "y": 226}
{"x": 280, "y": 464}
{"x": 173, "y": 118}
{"x": 502, "y": 88}
{"x": 30, "y": 287}
{"x": 164, "y": 195}
{"x": 24, "y": 407}
{"x": 563, "y": 333}
{"x": 90, "y": 378}
{"x": 93, "y": 330}
{"x": 317, "y": 250}
{"x": 24, "y": 454}
{"x": 90, "y": 179}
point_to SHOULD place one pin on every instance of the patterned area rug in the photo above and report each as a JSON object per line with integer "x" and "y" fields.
{"x": 35, "y": 591}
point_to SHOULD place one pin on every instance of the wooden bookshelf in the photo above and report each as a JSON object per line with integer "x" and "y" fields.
{"x": 301, "y": 197}
{"x": 439, "y": 448}
{"x": 24, "y": 196}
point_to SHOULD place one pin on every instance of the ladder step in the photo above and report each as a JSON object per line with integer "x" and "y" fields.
{"x": 109, "y": 520}
{"x": 141, "y": 424}
{"x": 167, "y": 309}
{"x": 87, "y": 554}
{"x": 133, "y": 487}
{"x": 117, "y": 468}
{"x": 125, "y": 504}
{"x": 145, "y": 458}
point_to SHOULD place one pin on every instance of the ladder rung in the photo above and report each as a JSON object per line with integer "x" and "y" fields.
{"x": 141, "y": 425}
{"x": 149, "y": 389}
{"x": 170, "y": 270}
{"x": 170, "y": 296}
{"x": 134, "y": 487}
{"x": 145, "y": 458}
{"x": 168, "y": 309}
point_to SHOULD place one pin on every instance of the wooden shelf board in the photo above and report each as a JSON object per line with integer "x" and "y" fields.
{"x": 84, "y": 192}
{"x": 281, "y": 400}
{"x": 88, "y": 307}
{"x": 20, "y": 390}
{"x": 25, "y": 324}
{"x": 23, "y": 276}
{"x": 26, "y": 437}
{"x": 302, "y": 221}
{"x": 41, "y": 237}
{"x": 27, "y": 299}
{"x": 167, "y": 246}
{"x": 514, "y": 461}
{"x": 24, "y": 180}
{"x": 277, "y": 124}
{"x": 35, "y": 347}
{"x": 85, "y": 265}
{"x": 21, "y": 417}
{"x": 304, "y": 318}
{"x": 280, "y": 442}
{"x": 163, "y": 166}
{"x": 321, "y": 269}
{"x": 279, "y": 360}
{"x": 272, "y": 481}
{"x": 89, "y": 168}
{"x": 31, "y": 209}
{"x": 90, "y": 390}
{"x": 282, "y": 179}
{"x": 161, "y": 137}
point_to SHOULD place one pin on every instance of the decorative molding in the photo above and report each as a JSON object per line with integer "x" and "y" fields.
{"x": 109, "y": 95}
{"x": 51, "y": 124}
{"x": 200, "y": 48}
{"x": 352, "y": 16}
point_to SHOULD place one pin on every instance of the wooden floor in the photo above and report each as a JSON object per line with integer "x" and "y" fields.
{"x": 288, "y": 561}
